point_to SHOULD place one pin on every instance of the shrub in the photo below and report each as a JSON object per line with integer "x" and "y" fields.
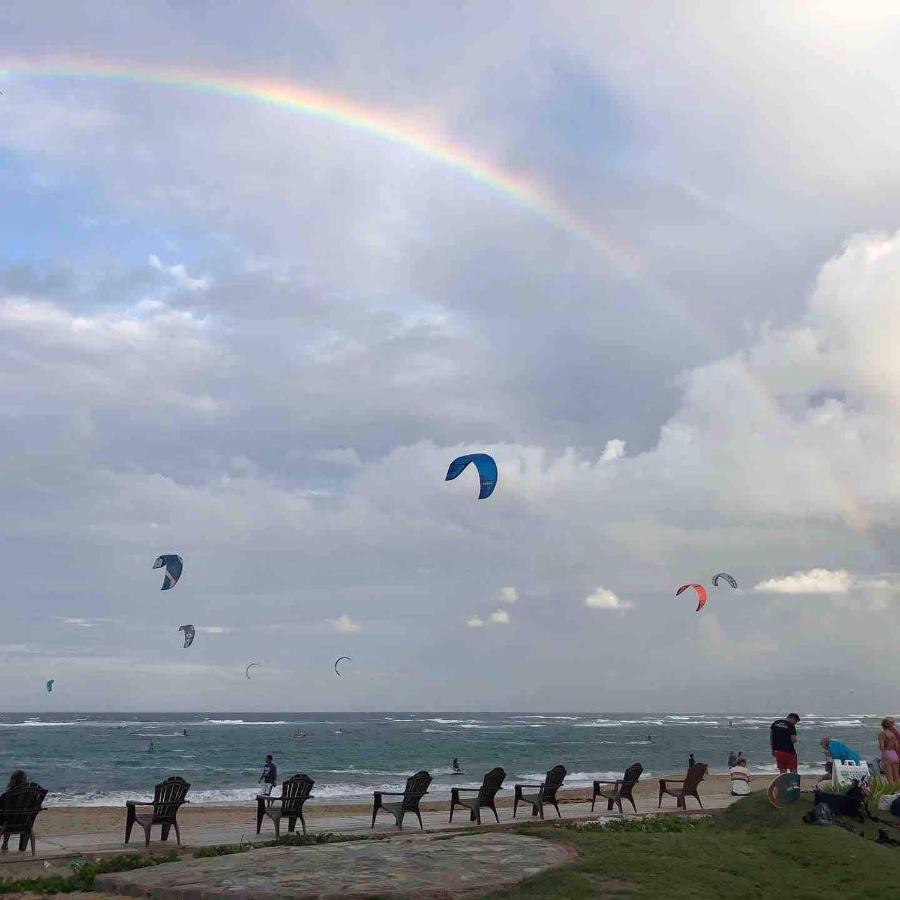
{"x": 647, "y": 825}
{"x": 84, "y": 875}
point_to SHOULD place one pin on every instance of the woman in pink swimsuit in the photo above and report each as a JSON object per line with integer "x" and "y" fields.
{"x": 889, "y": 745}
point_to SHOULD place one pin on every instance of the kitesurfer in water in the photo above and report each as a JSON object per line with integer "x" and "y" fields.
{"x": 455, "y": 765}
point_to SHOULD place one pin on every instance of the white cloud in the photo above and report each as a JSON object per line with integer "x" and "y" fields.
{"x": 82, "y": 623}
{"x": 343, "y": 624}
{"x": 508, "y": 595}
{"x": 340, "y": 456}
{"x": 499, "y": 617}
{"x": 180, "y": 276}
{"x": 474, "y": 622}
{"x": 815, "y": 581}
{"x": 603, "y": 598}
{"x": 614, "y": 449}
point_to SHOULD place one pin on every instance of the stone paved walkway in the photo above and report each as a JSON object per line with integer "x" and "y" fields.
{"x": 439, "y": 866}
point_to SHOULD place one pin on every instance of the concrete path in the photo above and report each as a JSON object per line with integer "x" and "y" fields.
{"x": 449, "y": 865}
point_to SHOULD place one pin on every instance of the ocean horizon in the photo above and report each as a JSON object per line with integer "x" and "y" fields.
{"x": 102, "y": 759}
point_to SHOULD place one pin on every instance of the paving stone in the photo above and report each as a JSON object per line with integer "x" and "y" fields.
{"x": 434, "y": 867}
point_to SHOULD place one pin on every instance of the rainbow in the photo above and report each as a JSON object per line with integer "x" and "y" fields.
{"x": 378, "y": 123}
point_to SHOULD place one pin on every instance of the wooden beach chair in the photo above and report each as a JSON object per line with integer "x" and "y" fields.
{"x": 416, "y": 789}
{"x": 491, "y": 783}
{"x": 546, "y": 793}
{"x": 689, "y": 785}
{"x": 168, "y": 796}
{"x": 18, "y": 810}
{"x": 616, "y": 791}
{"x": 294, "y": 793}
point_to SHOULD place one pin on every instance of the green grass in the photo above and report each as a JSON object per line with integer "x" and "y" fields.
{"x": 83, "y": 877}
{"x": 750, "y": 851}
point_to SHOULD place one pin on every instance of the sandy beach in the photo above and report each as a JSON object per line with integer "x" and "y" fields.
{"x": 715, "y": 791}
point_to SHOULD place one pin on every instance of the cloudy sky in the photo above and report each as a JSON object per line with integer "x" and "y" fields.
{"x": 646, "y": 255}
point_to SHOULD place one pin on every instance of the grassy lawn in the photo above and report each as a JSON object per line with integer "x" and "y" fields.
{"x": 749, "y": 851}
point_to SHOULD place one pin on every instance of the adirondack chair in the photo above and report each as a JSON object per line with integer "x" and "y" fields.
{"x": 18, "y": 810}
{"x": 294, "y": 793}
{"x": 546, "y": 793}
{"x": 620, "y": 790}
{"x": 168, "y": 796}
{"x": 689, "y": 785}
{"x": 416, "y": 789}
{"x": 491, "y": 783}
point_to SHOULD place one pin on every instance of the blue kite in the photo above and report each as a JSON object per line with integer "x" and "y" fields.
{"x": 173, "y": 565}
{"x": 487, "y": 471}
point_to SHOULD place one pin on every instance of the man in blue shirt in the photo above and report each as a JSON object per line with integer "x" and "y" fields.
{"x": 837, "y": 750}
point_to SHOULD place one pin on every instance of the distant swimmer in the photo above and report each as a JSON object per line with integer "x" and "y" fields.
{"x": 649, "y": 738}
{"x": 150, "y": 748}
{"x": 184, "y": 732}
{"x": 730, "y": 724}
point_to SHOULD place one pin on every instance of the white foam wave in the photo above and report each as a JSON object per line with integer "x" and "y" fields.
{"x": 576, "y": 779}
{"x": 617, "y": 723}
{"x": 244, "y": 722}
{"x": 563, "y": 718}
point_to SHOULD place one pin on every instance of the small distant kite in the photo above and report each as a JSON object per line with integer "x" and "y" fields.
{"x": 188, "y": 635}
{"x": 729, "y": 578}
{"x": 247, "y": 670}
{"x": 50, "y": 685}
{"x": 487, "y": 471}
{"x": 701, "y": 593}
{"x": 173, "y": 565}
{"x": 338, "y": 660}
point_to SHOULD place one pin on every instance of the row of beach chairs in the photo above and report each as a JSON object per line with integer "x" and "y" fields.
{"x": 19, "y": 808}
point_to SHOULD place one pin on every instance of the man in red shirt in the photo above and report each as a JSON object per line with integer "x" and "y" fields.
{"x": 783, "y": 739}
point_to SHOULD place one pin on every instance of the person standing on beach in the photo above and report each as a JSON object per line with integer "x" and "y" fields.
{"x": 269, "y": 776}
{"x": 889, "y": 745}
{"x": 691, "y": 761}
{"x": 783, "y": 740}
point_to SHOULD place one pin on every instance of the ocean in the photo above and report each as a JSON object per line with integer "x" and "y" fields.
{"x": 103, "y": 759}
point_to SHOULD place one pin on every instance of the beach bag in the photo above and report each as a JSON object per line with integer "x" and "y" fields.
{"x": 820, "y": 814}
{"x": 885, "y": 801}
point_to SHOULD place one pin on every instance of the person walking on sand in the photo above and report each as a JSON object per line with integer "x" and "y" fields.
{"x": 269, "y": 776}
{"x": 889, "y": 745}
{"x": 691, "y": 761}
{"x": 783, "y": 741}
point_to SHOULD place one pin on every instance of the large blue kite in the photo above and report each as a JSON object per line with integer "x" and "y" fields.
{"x": 173, "y": 565}
{"x": 487, "y": 471}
